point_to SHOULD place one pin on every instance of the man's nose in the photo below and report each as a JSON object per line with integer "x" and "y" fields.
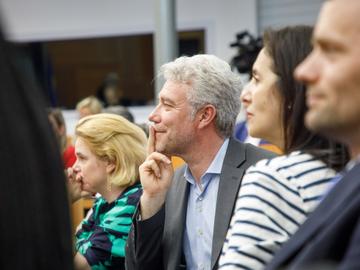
{"x": 154, "y": 115}
{"x": 307, "y": 71}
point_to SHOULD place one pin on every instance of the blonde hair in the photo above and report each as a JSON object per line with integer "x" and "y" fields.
{"x": 111, "y": 137}
{"x": 92, "y": 103}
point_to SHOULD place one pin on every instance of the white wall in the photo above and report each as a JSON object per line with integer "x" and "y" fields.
{"x": 279, "y": 13}
{"x": 223, "y": 19}
{"x": 34, "y": 20}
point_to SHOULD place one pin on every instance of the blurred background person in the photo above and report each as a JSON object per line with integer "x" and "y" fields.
{"x": 109, "y": 150}
{"x": 57, "y": 122}
{"x": 124, "y": 112}
{"x": 110, "y": 93}
{"x": 89, "y": 106}
{"x": 277, "y": 195}
{"x": 35, "y": 232}
{"x": 120, "y": 110}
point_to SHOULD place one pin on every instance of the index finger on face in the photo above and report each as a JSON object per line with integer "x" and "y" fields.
{"x": 158, "y": 157}
{"x": 151, "y": 141}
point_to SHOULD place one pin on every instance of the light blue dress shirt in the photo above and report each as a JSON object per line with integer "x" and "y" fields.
{"x": 200, "y": 214}
{"x": 351, "y": 164}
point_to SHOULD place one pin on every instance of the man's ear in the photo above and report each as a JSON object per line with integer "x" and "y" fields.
{"x": 206, "y": 115}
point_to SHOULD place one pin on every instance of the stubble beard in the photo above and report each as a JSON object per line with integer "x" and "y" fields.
{"x": 173, "y": 147}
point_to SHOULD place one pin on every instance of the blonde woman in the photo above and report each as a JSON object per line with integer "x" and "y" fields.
{"x": 109, "y": 150}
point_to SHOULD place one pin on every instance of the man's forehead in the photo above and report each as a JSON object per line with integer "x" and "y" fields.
{"x": 341, "y": 12}
{"x": 338, "y": 19}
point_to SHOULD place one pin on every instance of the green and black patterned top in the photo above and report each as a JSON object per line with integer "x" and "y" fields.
{"x": 102, "y": 237}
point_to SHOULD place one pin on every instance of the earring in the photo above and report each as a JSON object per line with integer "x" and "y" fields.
{"x": 108, "y": 183}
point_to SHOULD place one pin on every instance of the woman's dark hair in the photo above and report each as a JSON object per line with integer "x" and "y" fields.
{"x": 111, "y": 80}
{"x": 288, "y": 47}
{"x": 35, "y": 231}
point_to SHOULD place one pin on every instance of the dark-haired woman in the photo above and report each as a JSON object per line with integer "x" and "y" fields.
{"x": 277, "y": 195}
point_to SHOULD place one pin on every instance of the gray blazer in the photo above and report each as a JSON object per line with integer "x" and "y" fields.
{"x": 145, "y": 250}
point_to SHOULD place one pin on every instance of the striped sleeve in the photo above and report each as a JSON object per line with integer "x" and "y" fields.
{"x": 274, "y": 200}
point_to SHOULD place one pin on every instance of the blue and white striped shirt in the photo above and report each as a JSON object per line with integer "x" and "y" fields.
{"x": 275, "y": 198}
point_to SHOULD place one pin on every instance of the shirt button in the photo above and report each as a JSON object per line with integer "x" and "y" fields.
{"x": 200, "y": 232}
{"x": 200, "y": 198}
{"x": 201, "y": 266}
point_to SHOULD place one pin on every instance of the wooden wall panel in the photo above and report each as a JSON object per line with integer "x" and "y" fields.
{"x": 81, "y": 65}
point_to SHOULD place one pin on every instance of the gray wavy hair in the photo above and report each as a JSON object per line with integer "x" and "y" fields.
{"x": 213, "y": 82}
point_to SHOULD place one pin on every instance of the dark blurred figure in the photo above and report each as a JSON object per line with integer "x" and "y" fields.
{"x": 145, "y": 128}
{"x": 120, "y": 110}
{"x": 248, "y": 48}
{"x": 110, "y": 93}
{"x": 35, "y": 230}
{"x": 124, "y": 112}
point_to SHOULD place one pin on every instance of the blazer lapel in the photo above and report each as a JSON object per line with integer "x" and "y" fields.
{"x": 333, "y": 203}
{"x": 230, "y": 180}
{"x": 176, "y": 206}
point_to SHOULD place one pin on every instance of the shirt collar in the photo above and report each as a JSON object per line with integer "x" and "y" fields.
{"x": 215, "y": 166}
{"x": 351, "y": 164}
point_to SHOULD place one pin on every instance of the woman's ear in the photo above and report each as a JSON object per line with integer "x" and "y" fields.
{"x": 110, "y": 167}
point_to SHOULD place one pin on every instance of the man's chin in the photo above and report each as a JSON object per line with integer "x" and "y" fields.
{"x": 313, "y": 121}
{"x": 164, "y": 150}
{"x": 319, "y": 122}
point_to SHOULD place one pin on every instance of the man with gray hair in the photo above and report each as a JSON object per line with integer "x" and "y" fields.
{"x": 330, "y": 238}
{"x": 182, "y": 219}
